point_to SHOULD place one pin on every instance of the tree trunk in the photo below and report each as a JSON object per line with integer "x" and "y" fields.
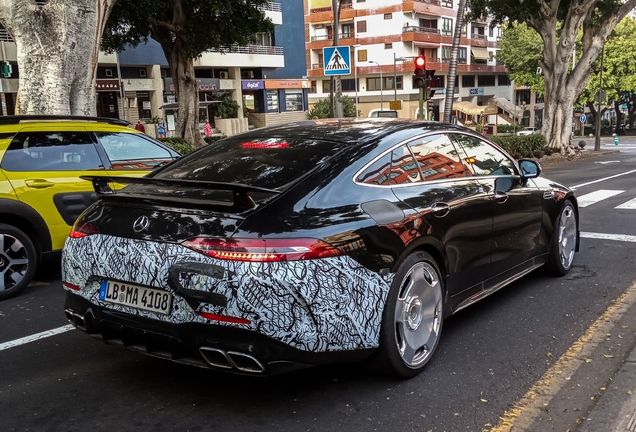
{"x": 452, "y": 69}
{"x": 57, "y": 51}
{"x": 619, "y": 117}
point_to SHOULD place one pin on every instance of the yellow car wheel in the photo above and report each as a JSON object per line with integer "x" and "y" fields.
{"x": 18, "y": 260}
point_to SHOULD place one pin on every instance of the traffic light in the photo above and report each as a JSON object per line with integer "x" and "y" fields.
{"x": 430, "y": 82}
{"x": 420, "y": 72}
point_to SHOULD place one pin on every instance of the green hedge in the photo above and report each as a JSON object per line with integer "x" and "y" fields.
{"x": 184, "y": 147}
{"x": 526, "y": 146}
{"x": 178, "y": 144}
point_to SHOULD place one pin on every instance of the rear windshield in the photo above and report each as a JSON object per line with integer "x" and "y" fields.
{"x": 268, "y": 162}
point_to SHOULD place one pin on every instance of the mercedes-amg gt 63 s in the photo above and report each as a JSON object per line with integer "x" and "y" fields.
{"x": 310, "y": 243}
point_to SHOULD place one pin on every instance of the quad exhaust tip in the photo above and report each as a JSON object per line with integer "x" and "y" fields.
{"x": 76, "y": 319}
{"x": 231, "y": 360}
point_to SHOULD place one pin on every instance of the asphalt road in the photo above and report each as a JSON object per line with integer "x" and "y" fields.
{"x": 489, "y": 356}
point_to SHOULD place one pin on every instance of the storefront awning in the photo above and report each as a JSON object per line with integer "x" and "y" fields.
{"x": 175, "y": 105}
{"x": 506, "y": 105}
{"x": 480, "y": 53}
{"x": 426, "y": 44}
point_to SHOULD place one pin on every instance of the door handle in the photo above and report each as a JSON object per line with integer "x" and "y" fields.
{"x": 500, "y": 197}
{"x": 440, "y": 209}
{"x": 38, "y": 183}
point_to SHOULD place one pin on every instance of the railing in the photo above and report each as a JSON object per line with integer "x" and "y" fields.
{"x": 330, "y": 37}
{"x": 274, "y": 7}
{"x": 459, "y": 60}
{"x": 419, "y": 29}
{"x": 5, "y": 36}
{"x": 433, "y": 2}
{"x": 250, "y": 49}
{"x": 316, "y": 66}
{"x": 328, "y": 8}
{"x": 447, "y": 3}
{"x": 479, "y": 36}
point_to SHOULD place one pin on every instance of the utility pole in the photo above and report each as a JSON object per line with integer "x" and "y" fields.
{"x": 336, "y": 102}
{"x": 599, "y": 97}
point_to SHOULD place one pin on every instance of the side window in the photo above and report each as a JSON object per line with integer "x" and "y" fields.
{"x": 51, "y": 151}
{"x": 483, "y": 158}
{"x": 129, "y": 151}
{"x": 396, "y": 167}
{"x": 437, "y": 158}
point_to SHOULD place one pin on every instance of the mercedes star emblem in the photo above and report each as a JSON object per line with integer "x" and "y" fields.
{"x": 141, "y": 224}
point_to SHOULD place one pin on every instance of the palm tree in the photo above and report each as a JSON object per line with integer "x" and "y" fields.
{"x": 452, "y": 69}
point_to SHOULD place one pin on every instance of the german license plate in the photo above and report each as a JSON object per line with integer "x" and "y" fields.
{"x": 135, "y": 296}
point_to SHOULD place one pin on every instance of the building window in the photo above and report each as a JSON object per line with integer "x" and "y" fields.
{"x": 485, "y": 80}
{"x": 362, "y": 26}
{"x": 439, "y": 81}
{"x": 461, "y": 56}
{"x": 447, "y": 26}
{"x": 163, "y": 73}
{"x": 312, "y": 87}
{"x": 362, "y": 55}
{"x": 348, "y": 85}
{"x": 388, "y": 16}
{"x": 142, "y": 73}
{"x": 109, "y": 72}
{"x": 539, "y": 99}
{"x": 447, "y": 3}
{"x": 468, "y": 80}
{"x": 272, "y": 100}
{"x": 388, "y": 82}
{"x": 503, "y": 80}
{"x": 293, "y": 100}
{"x": 491, "y": 32}
{"x": 428, "y": 23}
{"x": 374, "y": 84}
{"x": 346, "y": 30}
{"x": 446, "y": 53}
{"x": 326, "y": 86}
{"x": 388, "y": 46}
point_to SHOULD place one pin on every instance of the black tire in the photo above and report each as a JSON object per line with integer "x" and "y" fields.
{"x": 18, "y": 260}
{"x": 563, "y": 245}
{"x": 408, "y": 342}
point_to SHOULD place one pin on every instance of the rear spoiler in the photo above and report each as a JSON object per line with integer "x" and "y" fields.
{"x": 100, "y": 184}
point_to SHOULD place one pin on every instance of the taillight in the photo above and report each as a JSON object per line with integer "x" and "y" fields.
{"x": 260, "y": 250}
{"x": 71, "y": 286}
{"x": 82, "y": 229}
{"x": 224, "y": 318}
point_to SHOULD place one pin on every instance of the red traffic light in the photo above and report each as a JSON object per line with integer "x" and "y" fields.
{"x": 420, "y": 62}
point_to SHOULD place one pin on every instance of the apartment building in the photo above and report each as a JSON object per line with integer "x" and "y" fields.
{"x": 268, "y": 77}
{"x": 386, "y": 35}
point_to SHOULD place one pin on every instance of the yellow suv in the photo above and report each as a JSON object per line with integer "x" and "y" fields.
{"x": 41, "y": 194}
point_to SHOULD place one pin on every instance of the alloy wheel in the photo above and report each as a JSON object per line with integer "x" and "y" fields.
{"x": 418, "y": 314}
{"x": 567, "y": 236}
{"x": 14, "y": 262}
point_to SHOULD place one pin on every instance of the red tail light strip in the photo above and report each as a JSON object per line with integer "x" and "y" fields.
{"x": 82, "y": 229}
{"x": 259, "y": 250}
{"x": 224, "y": 318}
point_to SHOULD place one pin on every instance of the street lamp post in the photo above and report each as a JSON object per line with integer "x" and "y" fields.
{"x": 395, "y": 60}
{"x": 381, "y": 100}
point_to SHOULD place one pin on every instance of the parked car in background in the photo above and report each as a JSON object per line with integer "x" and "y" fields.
{"x": 41, "y": 193}
{"x": 312, "y": 243}
{"x": 529, "y": 131}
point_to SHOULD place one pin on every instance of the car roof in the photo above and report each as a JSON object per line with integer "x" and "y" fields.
{"x": 359, "y": 130}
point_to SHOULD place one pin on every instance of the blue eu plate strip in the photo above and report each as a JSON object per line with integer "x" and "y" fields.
{"x": 102, "y": 290}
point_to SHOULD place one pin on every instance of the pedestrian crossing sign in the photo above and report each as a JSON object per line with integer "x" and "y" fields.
{"x": 336, "y": 60}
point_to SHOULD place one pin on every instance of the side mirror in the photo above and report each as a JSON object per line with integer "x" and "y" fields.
{"x": 529, "y": 168}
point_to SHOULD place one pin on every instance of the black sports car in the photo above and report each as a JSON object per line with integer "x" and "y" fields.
{"x": 310, "y": 243}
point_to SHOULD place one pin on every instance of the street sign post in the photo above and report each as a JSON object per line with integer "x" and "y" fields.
{"x": 583, "y": 118}
{"x": 336, "y": 60}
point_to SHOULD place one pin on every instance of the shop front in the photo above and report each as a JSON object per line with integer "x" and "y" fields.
{"x": 108, "y": 97}
{"x": 272, "y": 102}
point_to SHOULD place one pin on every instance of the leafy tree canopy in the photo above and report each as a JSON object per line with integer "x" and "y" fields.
{"x": 198, "y": 24}
{"x": 521, "y": 51}
{"x": 321, "y": 108}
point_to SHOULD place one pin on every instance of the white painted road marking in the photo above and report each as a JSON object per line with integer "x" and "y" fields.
{"x": 596, "y": 196}
{"x": 617, "y": 237}
{"x": 35, "y": 337}
{"x": 607, "y": 162}
{"x": 631, "y": 205}
{"x": 603, "y": 179}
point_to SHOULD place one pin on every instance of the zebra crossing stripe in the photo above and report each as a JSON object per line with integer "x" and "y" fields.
{"x": 596, "y": 196}
{"x": 630, "y": 205}
{"x": 617, "y": 237}
{"x": 602, "y": 179}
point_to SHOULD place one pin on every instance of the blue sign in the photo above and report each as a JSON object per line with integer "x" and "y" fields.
{"x": 476, "y": 92}
{"x": 583, "y": 118}
{"x": 252, "y": 84}
{"x": 336, "y": 60}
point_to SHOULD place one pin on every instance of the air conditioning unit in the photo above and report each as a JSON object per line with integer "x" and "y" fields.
{"x": 223, "y": 75}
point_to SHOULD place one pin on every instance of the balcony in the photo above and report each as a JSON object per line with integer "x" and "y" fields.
{"x": 419, "y": 29}
{"x": 343, "y": 6}
{"x": 426, "y": 7}
{"x": 243, "y": 56}
{"x": 330, "y": 37}
{"x": 479, "y": 36}
{"x": 273, "y": 11}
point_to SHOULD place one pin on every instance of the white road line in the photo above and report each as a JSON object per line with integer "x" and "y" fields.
{"x": 617, "y": 237}
{"x": 602, "y": 179}
{"x": 35, "y": 337}
{"x": 631, "y": 205}
{"x": 596, "y": 196}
